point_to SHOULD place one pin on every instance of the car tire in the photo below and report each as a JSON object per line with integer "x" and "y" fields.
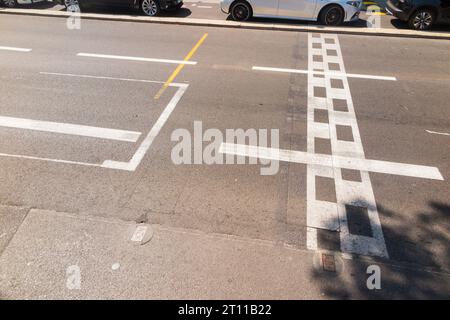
{"x": 150, "y": 8}
{"x": 332, "y": 15}
{"x": 9, "y": 3}
{"x": 241, "y": 11}
{"x": 422, "y": 19}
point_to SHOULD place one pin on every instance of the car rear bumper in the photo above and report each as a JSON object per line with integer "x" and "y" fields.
{"x": 396, "y": 12}
{"x": 225, "y": 6}
{"x": 351, "y": 12}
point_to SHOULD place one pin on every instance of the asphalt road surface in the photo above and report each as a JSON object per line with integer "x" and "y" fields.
{"x": 364, "y": 123}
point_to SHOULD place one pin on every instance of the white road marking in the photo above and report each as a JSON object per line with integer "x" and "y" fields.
{"x": 440, "y": 133}
{"x": 19, "y": 156}
{"x": 15, "y": 49}
{"x": 379, "y": 166}
{"x": 70, "y": 129}
{"x": 347, "y": 192}
{"x": 147, "y": 142}
{"x": 328, "y": 73}
{"x": 97, "y": 77}
{"x": 204, "y": 7}
{"x": 108, "y": 56}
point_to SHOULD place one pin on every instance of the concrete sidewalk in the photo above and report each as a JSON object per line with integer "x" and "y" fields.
{"x": 49, "y": 248}
{"x": 386, "y": 32}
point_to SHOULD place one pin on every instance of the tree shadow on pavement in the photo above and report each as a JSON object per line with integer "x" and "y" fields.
{"x": 418, "y": 267}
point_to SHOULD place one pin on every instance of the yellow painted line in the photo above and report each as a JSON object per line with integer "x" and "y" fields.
{"x": 180, "y": 66}
{"x": 370, "y": 2}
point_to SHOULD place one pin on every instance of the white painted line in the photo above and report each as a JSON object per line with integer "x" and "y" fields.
{"x": 15, "y": 49}
{"x": 49, "y": 160}
{"x": 97, "y": 77}
{"x": 440, "y": 133}
{"x": 147, "y": 142}
{"x": 204, "y": 7}
{"x": 329, "y": 73}
{"x": 71, "y": 129}
{"x": 108, "y": 56}
{"x": 379, "y": 166}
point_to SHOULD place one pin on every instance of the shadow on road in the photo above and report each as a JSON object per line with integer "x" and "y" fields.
{"x": 418, "y": 265}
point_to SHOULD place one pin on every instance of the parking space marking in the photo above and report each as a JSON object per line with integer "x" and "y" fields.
{"x": 439, "y": 133}
{"x": 109, "y": 56}
{"x": 143, "y": 147}
{"x": 147, "y": 142}
{"x": 15, "y": 49}
{"x": 69, "y": 129}
{"x": 329, "y": 73}
{"x": 180, "y": 66}
{"x": 19, "y": 156}
{"x": 378, "y": 166}
{"x": 97, "y": 77}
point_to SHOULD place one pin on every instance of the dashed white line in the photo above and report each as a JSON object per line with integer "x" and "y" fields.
{"x": 15, "y": 49}
{"x": 329, "y": 73}
{"x": 70, "y": 129}
{"x": 129, "y": 58}
{"x": 439, "y": 133}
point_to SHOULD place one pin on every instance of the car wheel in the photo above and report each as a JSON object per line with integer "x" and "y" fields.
{"x": 241, "y": 11}
{"x": 422, "y": 19}
{"x": 332, "y": 16}
{"x": 9, "y": 3}
{"x": 150, "y": 7}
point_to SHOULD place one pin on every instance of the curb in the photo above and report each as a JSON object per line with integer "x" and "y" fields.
{"x": 383, "y": 32}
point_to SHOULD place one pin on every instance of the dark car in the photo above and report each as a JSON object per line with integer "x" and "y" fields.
{"x": 420, "y": 14}
{"x": 148, "y": 7}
